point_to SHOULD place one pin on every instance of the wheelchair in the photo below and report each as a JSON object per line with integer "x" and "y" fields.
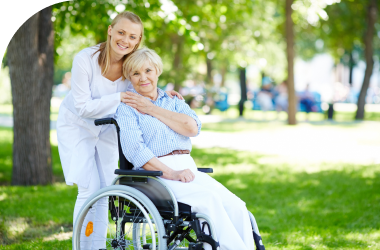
{"x": 143, "y": 213}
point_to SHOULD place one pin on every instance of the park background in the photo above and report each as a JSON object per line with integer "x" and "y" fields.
{"x": 313, "y": 185}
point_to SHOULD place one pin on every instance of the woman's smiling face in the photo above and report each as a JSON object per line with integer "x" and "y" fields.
{"x": 125, "y": 35}
{"x": 144, "y": 80}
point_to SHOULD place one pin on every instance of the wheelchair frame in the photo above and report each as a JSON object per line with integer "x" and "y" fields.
{"x": 145, "y": 189}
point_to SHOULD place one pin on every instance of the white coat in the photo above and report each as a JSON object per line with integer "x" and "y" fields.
{"x": 92, "y": 96}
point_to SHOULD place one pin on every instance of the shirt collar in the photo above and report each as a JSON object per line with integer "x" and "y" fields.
{"x": 160, "y": 92}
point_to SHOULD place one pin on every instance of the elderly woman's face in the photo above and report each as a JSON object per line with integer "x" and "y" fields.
{"x": 144, "y": 80}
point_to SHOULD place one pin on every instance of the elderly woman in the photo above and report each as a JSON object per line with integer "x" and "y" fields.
{"x": 160, "y": 141}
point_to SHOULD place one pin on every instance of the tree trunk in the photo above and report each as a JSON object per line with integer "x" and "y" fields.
{"x": 243, "y": 91}
{"x": 351, "y": 66}
{"x": 31, "y": 60}
{"x": 368, "y": 52}
{"x": 290, "y": 56}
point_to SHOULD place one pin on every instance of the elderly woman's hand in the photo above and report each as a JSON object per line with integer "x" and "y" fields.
{"x": 183, "y": 175}
{"x": 136, "y": 101}
{"x": 173, "y": 93}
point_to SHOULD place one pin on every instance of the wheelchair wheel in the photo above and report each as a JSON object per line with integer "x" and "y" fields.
{"x": 126, "y": 208}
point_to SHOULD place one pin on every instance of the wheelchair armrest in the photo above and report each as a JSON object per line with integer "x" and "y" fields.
{"x": 105, "y": 121}
{"x": 206, "y": 170}
{"x": 138, "y": 172}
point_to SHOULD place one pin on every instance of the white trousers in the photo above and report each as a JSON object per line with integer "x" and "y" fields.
{"x": 205, "y": 195}
{"x": 98, "y": 213}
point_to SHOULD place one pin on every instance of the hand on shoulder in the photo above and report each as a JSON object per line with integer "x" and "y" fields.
{"x": 136, "y": 101}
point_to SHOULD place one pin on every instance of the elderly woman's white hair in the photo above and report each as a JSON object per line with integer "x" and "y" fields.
{"x": 136, "y": 61}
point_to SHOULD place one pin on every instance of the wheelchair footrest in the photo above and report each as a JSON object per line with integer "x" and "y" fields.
{"x": 147, "y": 246}
{"x": 199, "y": 231}
{"x": 195, "y": 246}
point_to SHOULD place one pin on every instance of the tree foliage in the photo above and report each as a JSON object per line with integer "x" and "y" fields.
{"x": 186, "y": 34}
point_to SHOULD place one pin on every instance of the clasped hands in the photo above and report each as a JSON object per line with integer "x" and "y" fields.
{"x": 182, "y": 175}
{"x": 140, "y": 103}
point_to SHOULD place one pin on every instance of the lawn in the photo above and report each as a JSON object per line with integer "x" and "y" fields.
{"x": 335, "y": 206}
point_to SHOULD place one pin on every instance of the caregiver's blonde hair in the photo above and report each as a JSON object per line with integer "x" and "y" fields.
{"x": 137, "y": 59}
{"x": 104, "y": 59}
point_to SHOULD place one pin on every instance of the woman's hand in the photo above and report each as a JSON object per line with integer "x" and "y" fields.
{"x": 136, "y": 101}
{"x": 156, "y": 165}
{"x": 173, "y": 93}
{"x": 183, "y": 175}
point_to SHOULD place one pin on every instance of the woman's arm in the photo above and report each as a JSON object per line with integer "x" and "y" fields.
{"x": 86, "y": 106}
{"x": 156, "y": 165}
{"x": 179, "y": 122}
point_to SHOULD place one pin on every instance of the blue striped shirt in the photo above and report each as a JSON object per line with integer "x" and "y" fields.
{"x": 143, "y": 137}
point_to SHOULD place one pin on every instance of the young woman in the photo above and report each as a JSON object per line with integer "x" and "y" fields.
{"x": 89, "y": 154}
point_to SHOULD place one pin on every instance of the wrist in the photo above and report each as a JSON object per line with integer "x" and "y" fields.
{"x": 152, "y": 110}
{"x": 171, "y": 174}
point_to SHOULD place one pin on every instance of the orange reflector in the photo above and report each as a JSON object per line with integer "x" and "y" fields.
{"x": 89, "y": 228}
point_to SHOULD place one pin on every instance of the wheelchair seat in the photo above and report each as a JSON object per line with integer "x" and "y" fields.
{"x": 156, "y": 192}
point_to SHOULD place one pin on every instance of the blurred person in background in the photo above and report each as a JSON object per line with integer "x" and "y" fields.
{"x": 307, "y": 99}
{"x": 265, "y": 95}
{"x": 281, "y": 99}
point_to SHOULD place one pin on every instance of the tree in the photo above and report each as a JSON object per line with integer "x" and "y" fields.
{"x": 290, "y": 57}
{"x": 351, "y": 27}
{"x": 368, "y": 51}
{"x": 31, "y": 59}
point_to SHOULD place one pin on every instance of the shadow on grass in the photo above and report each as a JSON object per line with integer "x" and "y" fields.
{"x": 41, "y": 245}
{"x": 335, "y": 209}
{"x": 29, "y": 213}
{"x": 222, "y": 157}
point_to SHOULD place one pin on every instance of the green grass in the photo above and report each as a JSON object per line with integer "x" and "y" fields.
{"x": 334, "y": 206}
{"x": 237, "y": 126}
{"x": 258, "y": 115}
{"x": 39, "y": 244}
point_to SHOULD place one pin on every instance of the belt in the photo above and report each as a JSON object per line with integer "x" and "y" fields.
{"x": 177, "y": 152}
